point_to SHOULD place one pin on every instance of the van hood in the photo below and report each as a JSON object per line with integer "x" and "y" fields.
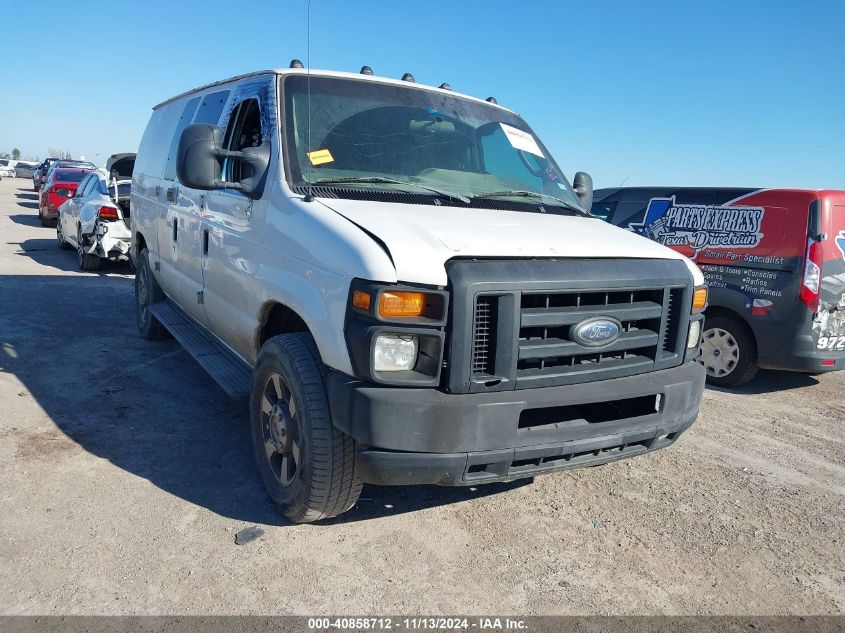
{"x": 421, "y": 238}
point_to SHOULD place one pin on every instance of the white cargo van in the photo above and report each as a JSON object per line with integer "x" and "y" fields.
{"x": 405, "y": 286}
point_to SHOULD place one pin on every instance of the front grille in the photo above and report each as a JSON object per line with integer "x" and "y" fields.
{"x": 522, "y": 336}
{"x": 547, "y": 352}
{"x": 546, "y": 346}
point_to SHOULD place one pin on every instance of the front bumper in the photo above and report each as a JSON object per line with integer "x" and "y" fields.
{"x": 425, "y": 436}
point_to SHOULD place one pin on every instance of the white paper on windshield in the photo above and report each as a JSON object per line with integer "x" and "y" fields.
{"x": 521, "y": 140}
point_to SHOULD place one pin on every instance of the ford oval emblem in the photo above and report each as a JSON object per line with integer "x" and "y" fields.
{"x": 596, "y": 332}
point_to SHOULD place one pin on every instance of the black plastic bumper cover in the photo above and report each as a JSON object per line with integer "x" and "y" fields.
{"x": 421, "y": 436}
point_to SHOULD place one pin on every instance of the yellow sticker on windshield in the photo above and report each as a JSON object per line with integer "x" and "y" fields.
{"x": 320, "y": 157}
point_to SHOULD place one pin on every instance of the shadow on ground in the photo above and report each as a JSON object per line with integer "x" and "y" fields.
{"x": 46, "y": 252}
{"x": 27, "y": 219}
{"x": 147, "y": 407}
{"x": 27, "y": 201}
{"x": 769, "y": 381}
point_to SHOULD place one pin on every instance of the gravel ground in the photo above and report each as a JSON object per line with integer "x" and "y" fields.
{"x": 125, "y": 475}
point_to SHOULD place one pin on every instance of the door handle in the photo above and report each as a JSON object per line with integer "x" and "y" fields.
{"x": 205, "y": 242}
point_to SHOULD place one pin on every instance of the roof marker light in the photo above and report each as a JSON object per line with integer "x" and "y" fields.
{"x": 445, "y": 86}
{"x": 491, "y": 100}
{"x": 366, "y": 70}
{"x": 408, "y": 77}
{"x": 295, "y": 63}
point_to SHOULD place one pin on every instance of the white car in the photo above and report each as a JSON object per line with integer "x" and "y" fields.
{"x": 95, "y": 221}
{"x": 7, "y": 168}
{"x": 405, "y": 285}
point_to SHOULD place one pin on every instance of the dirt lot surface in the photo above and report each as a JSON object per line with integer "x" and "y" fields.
{"x": 126, "y": 473}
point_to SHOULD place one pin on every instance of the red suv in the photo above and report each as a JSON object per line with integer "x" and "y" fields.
{"x": 60, "y": 186}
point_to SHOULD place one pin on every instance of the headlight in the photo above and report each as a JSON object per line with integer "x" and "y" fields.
{"x": 694, "y": 334}
{"x": 394, "y": 352}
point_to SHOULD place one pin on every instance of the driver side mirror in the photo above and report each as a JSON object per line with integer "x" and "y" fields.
{"x": 200, "y": 157}
{"x": 583, "y": 185}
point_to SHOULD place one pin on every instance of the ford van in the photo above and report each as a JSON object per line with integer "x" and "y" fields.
{"x": 405, "y": 287}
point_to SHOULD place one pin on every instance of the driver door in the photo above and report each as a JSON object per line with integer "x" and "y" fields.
{"x": 232, "y": 237}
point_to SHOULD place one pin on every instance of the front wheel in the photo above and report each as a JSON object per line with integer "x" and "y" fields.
{"x": 308, "y": 466}
{"x": 728, "y": 352}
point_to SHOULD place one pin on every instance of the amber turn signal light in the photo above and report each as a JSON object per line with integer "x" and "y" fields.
{"x": 699, "y": 299}
{"x": 361, "y": 299}
{"x": 401, "y": 304}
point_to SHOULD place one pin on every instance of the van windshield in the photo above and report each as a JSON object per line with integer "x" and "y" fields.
{"x": 373, "y": 136}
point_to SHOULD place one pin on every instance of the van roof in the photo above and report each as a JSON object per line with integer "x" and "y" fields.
{"x": 326, "y": 73}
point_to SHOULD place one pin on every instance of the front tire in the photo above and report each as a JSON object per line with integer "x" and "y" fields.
{"x": 147, "y": 292}
{"x": 308, "y": 466}
{"x": 728, "y": 352}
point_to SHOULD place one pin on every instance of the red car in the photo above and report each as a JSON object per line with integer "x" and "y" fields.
{"x": 59, "y": 187}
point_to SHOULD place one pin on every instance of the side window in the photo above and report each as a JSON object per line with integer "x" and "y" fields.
{"x": 244, "y": 130}
{"x": 695, "y": 196}
{"x": 184, "y": 121}
{"x": 629, "y": 211}
{"x": 211, "y": 108}
{"x": 84, "y": 187}
{"x": 603, "y": 210}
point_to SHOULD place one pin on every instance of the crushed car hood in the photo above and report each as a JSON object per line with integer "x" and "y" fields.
{"x": 421, "y": 238}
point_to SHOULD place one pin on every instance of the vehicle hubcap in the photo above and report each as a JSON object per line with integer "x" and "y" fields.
{"x": 280, "y": 430}
{"x": 719, "y": 352}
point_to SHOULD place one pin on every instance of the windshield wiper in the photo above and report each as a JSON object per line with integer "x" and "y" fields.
{"x": 379, "y": 180}
{"x": 532, "y": 194}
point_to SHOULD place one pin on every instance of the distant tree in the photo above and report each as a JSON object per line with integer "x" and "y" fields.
{"x": 58, "y": 153}
{"x": 16, "y": 154}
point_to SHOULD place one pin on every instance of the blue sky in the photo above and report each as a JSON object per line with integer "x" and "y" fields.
{"x": 682, "y": 93}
